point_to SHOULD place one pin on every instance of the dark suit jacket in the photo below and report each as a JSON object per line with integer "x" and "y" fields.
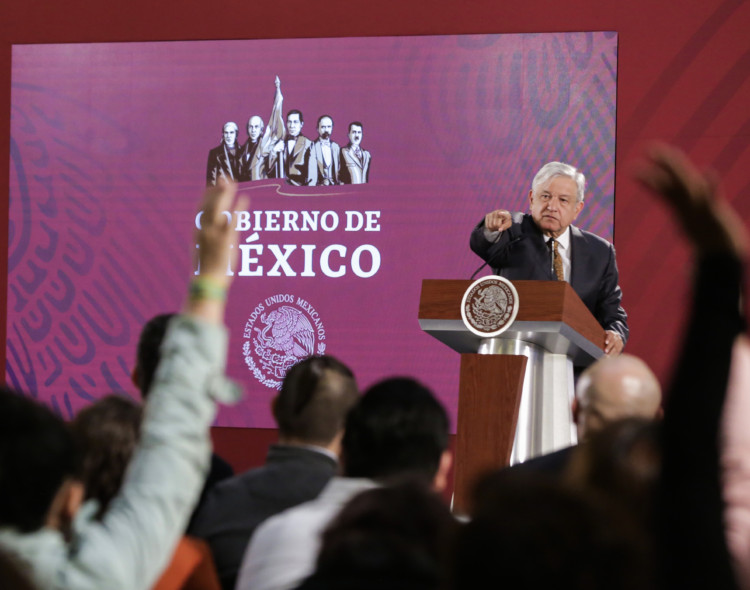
{"x": 221, "y": 164}
{"x": 521, "y": 254}
{"x": 218, "y": 471}
{"x": 235, "y": 507}
{"x": 552, "y": 464}
{"x": 253, "y": 162}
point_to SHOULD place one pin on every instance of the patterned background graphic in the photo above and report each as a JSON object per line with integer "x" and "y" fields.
{"x": 683, "y": 76}
{"x": 108, "y": 157}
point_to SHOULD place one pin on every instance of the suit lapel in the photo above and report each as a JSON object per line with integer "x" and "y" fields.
{"x": 317, "y": 150}
{"x": 335, "y": 156}
{"x": 254, "y": 149}
{"x": 355, "y": 159}
{"x": 578, "y": 256}
{"x": 321, "y": 162}
{"x": 227, "y": 164}
{"x": 542, "y": 260}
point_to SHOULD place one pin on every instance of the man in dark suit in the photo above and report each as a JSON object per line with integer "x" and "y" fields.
{"x": 224, "y": 160}
{"x": 543, "y": 245}
{"x": 293, "y": 151}
{"x": 610, "y": 390}
{"x": 325, "y": 155}
{"x": 310, "y": 410}
{"x": 355, "y": 162}
{"x": 253, "y": 162}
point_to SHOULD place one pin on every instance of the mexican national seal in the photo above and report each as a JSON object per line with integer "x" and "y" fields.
{"x": 282, "y": 330}
{"x": 489, "y": 306}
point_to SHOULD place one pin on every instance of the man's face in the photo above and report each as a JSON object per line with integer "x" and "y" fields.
{"x": 555, "y": 206}
{"x": 325, "y": 128}
{"x": 294, "y": 125}
{"x": 355, "y": 135}
{"x": 230, "y": 136}
{"x": 254, "y": 128}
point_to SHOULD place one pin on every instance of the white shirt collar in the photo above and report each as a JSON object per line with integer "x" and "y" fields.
{"x": 563, "y": 240}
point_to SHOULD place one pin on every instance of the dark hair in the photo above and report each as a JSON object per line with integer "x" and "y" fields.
{"x": 323, "y": 117}
{"x": 37, "y": 454}
{"x": 531, "y": 531}
{"x": 622, "y": 462}
{"x": 315, "y": 397}
{"x": 355, "y": 123}
{"x": 384, "y": 537}
{"x": 107, "y": 433}
{"x": 13, "y": 574}
{"x": 296, "y": 112}
{"x": 148, "y": 353}
{"x": 398, "y": 427}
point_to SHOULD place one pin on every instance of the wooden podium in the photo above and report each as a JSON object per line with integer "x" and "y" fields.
{"x": 516, "y": 389}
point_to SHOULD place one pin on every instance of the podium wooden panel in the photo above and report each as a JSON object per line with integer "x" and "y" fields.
{"x": 488, "y": 401}
{"x": 551, "y": 318}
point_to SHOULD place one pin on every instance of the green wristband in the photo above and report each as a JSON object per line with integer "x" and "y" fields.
{"x": 205, "y": 289}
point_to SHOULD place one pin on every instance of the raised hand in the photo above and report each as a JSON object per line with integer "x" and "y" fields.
{"x": 709, "y": 222}
{"x": 498, "y": 220}
{"x": 217, "y": 250}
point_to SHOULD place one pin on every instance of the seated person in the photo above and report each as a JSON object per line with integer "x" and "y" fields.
{"x": 40, "y": 524}
{"x": 398, "y": 429}
{"x": 310, "y": 410}
{"x": 609, "y": 390}
{"x": 107, "y": 432}
{"x": 147, "y": 359}
{"x": 390, "y": 537}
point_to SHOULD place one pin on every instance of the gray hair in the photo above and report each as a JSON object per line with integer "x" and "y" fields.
{"x": 552, "y": 169}
{"x": 236, "y": 130}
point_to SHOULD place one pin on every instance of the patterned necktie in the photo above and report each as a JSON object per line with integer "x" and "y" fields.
{"x": 557, "y": 264}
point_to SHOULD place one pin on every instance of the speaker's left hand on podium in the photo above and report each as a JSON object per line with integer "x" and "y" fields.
{"x": 612, "y": 343}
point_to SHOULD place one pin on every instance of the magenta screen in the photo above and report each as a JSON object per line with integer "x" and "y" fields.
{"x": 112, "y": 144}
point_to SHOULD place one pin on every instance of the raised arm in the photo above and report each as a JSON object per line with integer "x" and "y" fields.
{"x": 217, "y": 242}
{"x": 488, "y": 238}
{"x": 709, "y": 223}
{"x": 689, "y": 510}
{"x": 137, "y": 536}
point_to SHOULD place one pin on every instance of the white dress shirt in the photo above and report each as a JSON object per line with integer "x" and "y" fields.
{"x": 283, "y": 551}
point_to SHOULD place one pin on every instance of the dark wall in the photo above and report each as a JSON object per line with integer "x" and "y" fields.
{"x": 684, "y": 76}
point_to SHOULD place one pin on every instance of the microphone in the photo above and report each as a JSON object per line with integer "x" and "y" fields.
{"x": 500, "y": 252}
